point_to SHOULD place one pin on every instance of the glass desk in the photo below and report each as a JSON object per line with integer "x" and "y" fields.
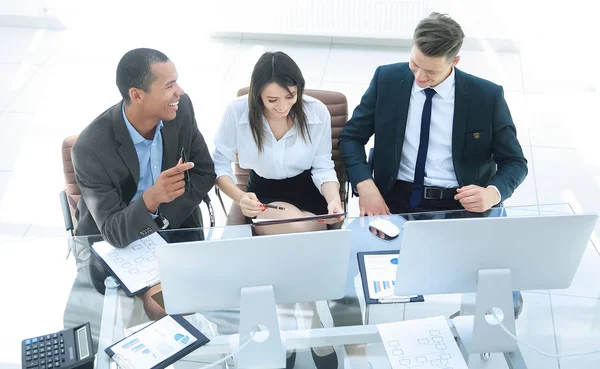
{"x": 51, "y": 293}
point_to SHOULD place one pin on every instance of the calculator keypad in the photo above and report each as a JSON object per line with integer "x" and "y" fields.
{"x": 44, "y": 352}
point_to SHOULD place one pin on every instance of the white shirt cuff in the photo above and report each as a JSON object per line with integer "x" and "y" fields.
{"x": 498, "y": 191}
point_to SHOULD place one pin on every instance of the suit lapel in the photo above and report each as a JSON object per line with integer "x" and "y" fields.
{"x": 404, "y": 90}
{"x": 126, "y": 150}
{"x": 461, "y": 109}
{"x": 170, "y": 149}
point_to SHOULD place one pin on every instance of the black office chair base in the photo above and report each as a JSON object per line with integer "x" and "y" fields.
{"x": 325, "y": 362}
{"x": 290, "y": 361}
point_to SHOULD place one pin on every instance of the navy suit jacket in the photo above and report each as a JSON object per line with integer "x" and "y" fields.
{"x": 485, "y": 149}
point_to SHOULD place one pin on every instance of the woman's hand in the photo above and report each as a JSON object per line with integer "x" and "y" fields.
{"x": 334, "y": 207}
{"x": 250, "y": 205}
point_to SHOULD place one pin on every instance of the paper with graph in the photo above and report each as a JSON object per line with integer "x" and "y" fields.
{"x": 421, "y": 343}
{"x": 135, "y": 266}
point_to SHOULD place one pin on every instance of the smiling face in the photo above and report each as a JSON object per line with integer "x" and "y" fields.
{"x": 430, "y": 71}
{"x": 162, "y": 98}
{"x": 277, "y": 100}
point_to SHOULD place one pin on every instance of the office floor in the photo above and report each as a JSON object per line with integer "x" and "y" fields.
{"x": 53, "y": 83}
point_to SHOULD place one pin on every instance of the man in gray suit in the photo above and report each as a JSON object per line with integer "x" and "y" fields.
{"x": 128, "y": 161}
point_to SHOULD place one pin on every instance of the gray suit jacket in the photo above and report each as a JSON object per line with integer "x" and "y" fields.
{"x": 107, "y": 171}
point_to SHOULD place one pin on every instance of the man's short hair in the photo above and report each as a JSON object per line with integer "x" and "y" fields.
{"x": 439, "y": 35}
{"x": 134, "y": 70}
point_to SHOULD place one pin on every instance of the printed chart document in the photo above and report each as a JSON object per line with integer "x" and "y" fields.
{"x": 157, "y": 345}
{"x": 378, "y": 273}
{"x": 135, "y": 266}
{"x": 421, "y": 343}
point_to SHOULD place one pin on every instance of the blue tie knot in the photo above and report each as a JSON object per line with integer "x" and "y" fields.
{"x": 429, "y": 92}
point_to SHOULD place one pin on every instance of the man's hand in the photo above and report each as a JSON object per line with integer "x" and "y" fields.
{"x": 477, "y": 199}
{"x": 250, "y": 205}
{"x": 169, "y": 185}
{"x": 370, "y": 200}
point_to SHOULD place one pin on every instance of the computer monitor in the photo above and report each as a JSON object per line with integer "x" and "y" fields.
{"x": 493, "y": 257}
{"x": 254, "y": 274}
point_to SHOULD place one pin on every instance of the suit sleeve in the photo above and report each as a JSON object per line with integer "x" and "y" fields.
{"x": 119, "y": 223}
{"x": 506, "y": 149}
{"x": 202, "y": 178}
{"x": 356, "y": 134}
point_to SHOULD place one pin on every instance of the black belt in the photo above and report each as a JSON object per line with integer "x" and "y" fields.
{"x": 429, "y": 192}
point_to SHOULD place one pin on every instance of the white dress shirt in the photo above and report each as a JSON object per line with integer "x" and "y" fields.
{"x": 285, "y": 158}
{"x": 439, "y": 168}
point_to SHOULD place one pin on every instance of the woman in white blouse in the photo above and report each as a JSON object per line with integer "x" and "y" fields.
{"x": 284, "y": 139}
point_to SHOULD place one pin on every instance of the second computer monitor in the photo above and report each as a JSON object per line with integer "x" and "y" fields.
{"x": 444, "y": 256}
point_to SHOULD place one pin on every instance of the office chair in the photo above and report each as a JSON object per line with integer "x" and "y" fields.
{"x": 70, "y": 196}
{"x": 338, "y": 109}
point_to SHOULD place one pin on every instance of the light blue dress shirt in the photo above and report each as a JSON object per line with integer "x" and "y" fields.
{"x": 149, "y": 154}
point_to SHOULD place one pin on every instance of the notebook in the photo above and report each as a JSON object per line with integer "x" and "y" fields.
{"x": 135, "y": 266}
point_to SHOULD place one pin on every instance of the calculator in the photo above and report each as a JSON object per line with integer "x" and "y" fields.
{"x": 67, "y": 349}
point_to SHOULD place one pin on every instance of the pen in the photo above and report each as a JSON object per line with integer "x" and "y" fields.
{"x": 273, "y": 207}
{"x": 188, "y": 184}
{"x": 393, "y": 299}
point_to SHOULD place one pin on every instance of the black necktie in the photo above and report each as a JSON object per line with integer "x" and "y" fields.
{"x": 418, "y": 183}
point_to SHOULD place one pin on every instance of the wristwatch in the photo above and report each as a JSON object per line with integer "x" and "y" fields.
{"x": 161, "y": 221}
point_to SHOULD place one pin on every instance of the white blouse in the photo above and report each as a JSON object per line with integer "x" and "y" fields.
{"x": 286, "y": 158}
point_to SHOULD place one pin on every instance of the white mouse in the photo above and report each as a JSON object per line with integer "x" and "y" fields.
{"x": 388, "y": 228}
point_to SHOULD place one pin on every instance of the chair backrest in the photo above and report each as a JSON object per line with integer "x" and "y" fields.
{"x": 71, "y": 187}
{"x": 337, "y": 104}
{"x": 74, "y": 193}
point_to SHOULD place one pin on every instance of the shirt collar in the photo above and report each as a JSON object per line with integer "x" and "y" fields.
{"x": 443, "y": 89}
{"x": 136, "y": 137}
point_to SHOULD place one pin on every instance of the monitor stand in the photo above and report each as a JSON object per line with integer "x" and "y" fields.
{"x": 266, "y": 350}
{"x": 480, "y": 334}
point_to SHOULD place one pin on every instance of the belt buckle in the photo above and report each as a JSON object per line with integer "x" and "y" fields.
{"x": 432, "y": 193}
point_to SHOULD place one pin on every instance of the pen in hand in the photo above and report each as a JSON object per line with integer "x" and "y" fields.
{"x": 273, "y": 207}
{"x": 186, "y": 174}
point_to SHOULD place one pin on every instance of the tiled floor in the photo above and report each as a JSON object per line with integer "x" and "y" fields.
{"x": 53, "y": 83}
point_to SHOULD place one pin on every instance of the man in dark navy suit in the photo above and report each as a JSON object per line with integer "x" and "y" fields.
{"x": 444, "y": 139}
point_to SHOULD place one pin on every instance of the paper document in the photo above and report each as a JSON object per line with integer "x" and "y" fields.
{"x": 152, "y": 345}
{"x": 380, "y": 272}
{"x": 421, "y": 343}
{"x": 135, "y": 266}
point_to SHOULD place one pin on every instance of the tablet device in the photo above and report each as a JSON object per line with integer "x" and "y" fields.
{"x": 157, "y": 345}
{"x": 262, "y": 222}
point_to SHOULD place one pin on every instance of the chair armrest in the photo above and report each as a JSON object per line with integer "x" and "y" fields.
{"x": 64, "y": 205}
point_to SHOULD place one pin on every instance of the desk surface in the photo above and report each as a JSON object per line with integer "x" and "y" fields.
{"x": 48, "y": 293}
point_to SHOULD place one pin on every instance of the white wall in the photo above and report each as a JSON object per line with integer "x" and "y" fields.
{"x": 22, "y": 7}
{"x": 29, "y": 13}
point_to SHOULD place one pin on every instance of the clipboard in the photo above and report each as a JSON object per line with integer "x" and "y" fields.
{"x": 263, "y": 222}
{"x": 171, "y": 332}
{"x": 121, "y": 272}
{"x": 381, "y": 285}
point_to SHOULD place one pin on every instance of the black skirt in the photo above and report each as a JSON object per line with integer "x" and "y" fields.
{"x": 299, "y": 191}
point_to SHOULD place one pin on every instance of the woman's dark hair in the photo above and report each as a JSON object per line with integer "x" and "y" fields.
{"x": 275, "y": 67}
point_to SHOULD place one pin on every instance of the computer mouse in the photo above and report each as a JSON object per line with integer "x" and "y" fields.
{"x": 384, "y": 228}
